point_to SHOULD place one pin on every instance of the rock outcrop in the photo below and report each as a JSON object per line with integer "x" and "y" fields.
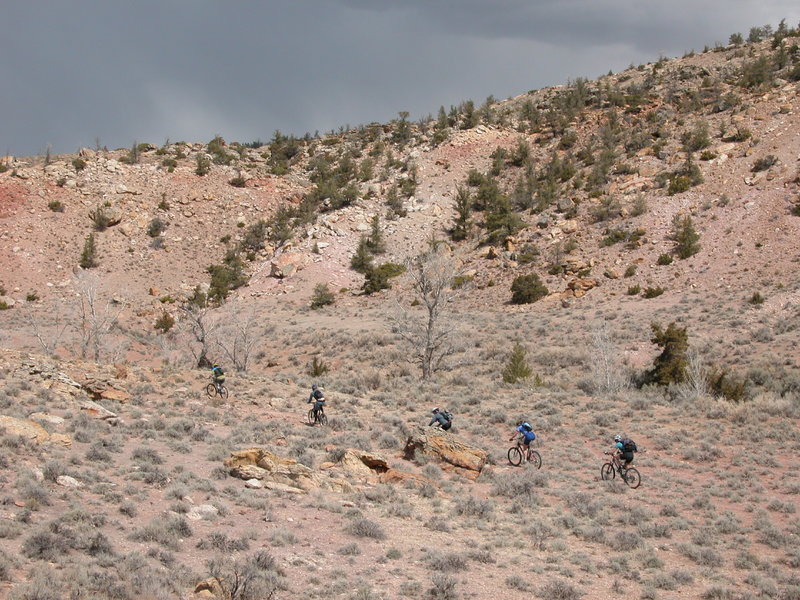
{"x": 446, "y": 447}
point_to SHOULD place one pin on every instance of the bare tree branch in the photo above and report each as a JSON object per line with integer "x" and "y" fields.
{"x": 432, "y": 334}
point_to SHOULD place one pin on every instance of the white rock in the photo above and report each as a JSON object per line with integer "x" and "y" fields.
{"x": 67, "y": 481}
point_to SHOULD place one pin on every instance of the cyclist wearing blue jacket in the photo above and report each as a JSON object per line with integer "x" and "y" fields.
{"x": 525, "y": 432}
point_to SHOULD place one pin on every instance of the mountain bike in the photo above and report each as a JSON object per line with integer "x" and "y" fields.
{"x": 217, "y": 389}
{"x": 517, "y": 454}
{"x": 318, "y": 417}
{"x": 629, "y": 475}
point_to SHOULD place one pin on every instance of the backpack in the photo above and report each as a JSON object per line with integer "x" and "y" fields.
{"x": 527, "y": 427}
{"x": 447, "y": 415}
{"x": 628, "y": 445}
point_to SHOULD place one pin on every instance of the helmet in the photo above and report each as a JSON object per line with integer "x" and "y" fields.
{"x": 216, "y": 365}
{"x": 435, "y": 410}
{"x": 314, "y": 386}
{"x": 617, "y": 438}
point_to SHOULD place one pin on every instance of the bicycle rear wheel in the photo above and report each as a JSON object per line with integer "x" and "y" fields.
{"x": 632, "y": 477}
{"x": 514, "y": 456}
{"x": 607, "y": 472}
{"x": 211, "y": 390}
{"x": 535, "y": 458}
{"x": 322, "y": 419}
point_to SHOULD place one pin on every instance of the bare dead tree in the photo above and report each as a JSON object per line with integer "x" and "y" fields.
{"x": 695, "y": 386}
{"x": 431, "y": 335}
{"x": 96, "y": 316}
{"x": 606, "y": 372}
{"x": 239, "y": 336}
{"x": 202, "y": 329}
{"x": 48, "y": 330}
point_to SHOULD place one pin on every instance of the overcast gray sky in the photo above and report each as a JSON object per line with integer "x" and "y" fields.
{"x": 119, "y": 71}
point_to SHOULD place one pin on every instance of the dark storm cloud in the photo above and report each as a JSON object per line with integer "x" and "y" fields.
{"x": 149, "y": 70}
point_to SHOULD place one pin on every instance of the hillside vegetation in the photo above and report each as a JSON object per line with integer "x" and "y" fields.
{"x": 602, "y": 257}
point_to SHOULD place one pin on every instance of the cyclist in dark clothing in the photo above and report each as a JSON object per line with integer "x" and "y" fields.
{"x": 441, "y": 418}
{"x": 625, "y": 453}
{"x": 317, "y": 396}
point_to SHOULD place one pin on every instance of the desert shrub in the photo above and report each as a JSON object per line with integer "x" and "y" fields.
{"x": 764, "y": 163}
{"x": 634, "y": 290}
{"x": 202, "y": 165}
{"x": 156, "y": 227}
{"x": 664, "y": 259}
{"x": 169, "y": 164}
{"x": 238, "y": 181}
{"x": 317, "y": 367}
{"x": 756, "y": 299}
{"x": 165, "y": 322}
{"x": 322, "y": 296}
{"x": 526, "y": 289}
{"x": 652, "y": 292}
{"x": 226, "y": 277}
{"x": 365, "y": 528}
{"x": 99, "y": 218}
{"x": 722, "y": 384}
{"x": 219, "y": 541}
{"x": 56, "y": 206}
{"x": 447, "y": 562}
{"x": 377, "y": 278}
{"x": 88, "y": 258}
{"x": 78, "y": 164}
{"x": 45, "y": 545}
{"x": 558, "y": 589}
{"x": 517, "y": 367}
{"x": 474, "y": 507}
{"x": 254, "y": 237}
{"x": 443, "y": 587}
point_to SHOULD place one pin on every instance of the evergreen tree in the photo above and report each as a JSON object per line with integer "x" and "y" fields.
{"x": 685, "y": 236}
{"x": 463, "y": 221}
{"x": 670, "y": 365}
{"x": 517, "y": 367}
{"x": 361, "y": 262}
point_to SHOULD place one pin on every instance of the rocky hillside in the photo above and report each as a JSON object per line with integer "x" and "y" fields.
{"x": 586, "y": 234}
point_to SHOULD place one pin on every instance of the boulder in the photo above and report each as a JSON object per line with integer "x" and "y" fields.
{"x": 100, "y": 389}
{"x": 362, "y": 465}
{"x": 279, "y": 473}
{"x": 288, "y": 263}
{"x": 203, "y": 511}
{"x": 445, "y": 446}
{"x": 97, "y": 411}
{"x": 24, "y": 428}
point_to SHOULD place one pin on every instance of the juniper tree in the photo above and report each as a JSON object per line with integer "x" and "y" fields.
{"x": 517, "y": 367}
{"x": 685, "y": 236}
{"x": 463, "y": 222}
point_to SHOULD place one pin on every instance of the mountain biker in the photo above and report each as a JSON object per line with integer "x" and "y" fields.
{"x": 441, "y": 418}
{"x": 623, "y": 451}
{"x": 317, "y": 396}
{"x": 218, "y": 374}
{"x": 524, "y": 432}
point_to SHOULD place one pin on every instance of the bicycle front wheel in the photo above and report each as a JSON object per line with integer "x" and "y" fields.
{"x": 535, "y": 459}
{"x": 311, "y": 418}
{"x": 632, "y": 478}
{"x": 211, "y": 390}
{"x": 607, "y": 472}
{"x": 514, "y": 456}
